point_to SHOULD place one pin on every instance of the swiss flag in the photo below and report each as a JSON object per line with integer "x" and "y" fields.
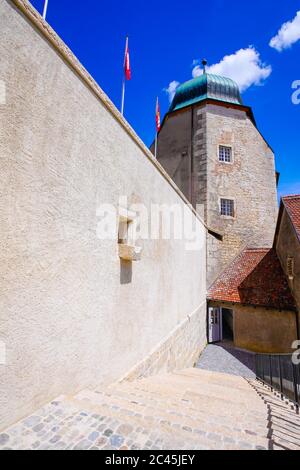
{"x": 127, "y": 69}
{"x": 157, "y": 116}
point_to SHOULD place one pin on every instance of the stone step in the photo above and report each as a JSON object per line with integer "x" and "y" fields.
{"x": 208, "y": 377}
{"x": 280, "y": 433}
{"x": 277, "y": 424}
{"x": 265, "y": 391}
{"x": 147, "y": 398}
{"x": 186, "y": 410}
{"x": 175, "y": 415}
{"x": 210, "y": 438}
{"x": 208, "y": 402}
{"x": 216, "y": 377}
{"x": 277, "y": 430}
{"x": 205, "y": 376}
{"x": 217, "y": 390}
{"x": 274, "y": 397}
{"x": 180, "y": 407}
{"x": 279, "y": 411}
{"x": 134, "y": 418}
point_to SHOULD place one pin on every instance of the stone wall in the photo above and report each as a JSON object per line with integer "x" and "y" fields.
{"x": 183, "y": 346}
{"x": 287, "y": 245}
{"x": 182, "y": 152}
{"x": 73, "y": 315}
{"x": 264, "y": 330}
{"x": 250, "y": 180}
{"x": 201, "y": 177}
{"x": 174, "y": 150}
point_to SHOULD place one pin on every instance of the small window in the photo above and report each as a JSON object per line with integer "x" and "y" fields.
{"x": 227, "y": 207}
{"x": 128, "y": 223}
{"x": 290, "y": 268}
{"x": 225, "y": 154}
{"x": 123, "y": 231}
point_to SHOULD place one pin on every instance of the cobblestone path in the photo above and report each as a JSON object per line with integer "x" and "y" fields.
{"x": 223, "y": 357}
{"x": 191, "y": 409}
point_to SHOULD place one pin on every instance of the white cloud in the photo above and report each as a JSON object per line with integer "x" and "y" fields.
{"x": 244, "y": 67}
{"x": 288, "y": 34}
{"x": 197, "y": 71}
{"x": 171, "y": 90}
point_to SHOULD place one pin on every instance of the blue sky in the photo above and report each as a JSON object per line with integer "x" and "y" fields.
{"x": 166, "y": 38}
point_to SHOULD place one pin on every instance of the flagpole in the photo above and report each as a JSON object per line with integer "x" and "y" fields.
{"x": 157, "y": 126}
{"x": 124, "y": 79}
{"x": 45, "y": 9}
{"x": 123, "y": 97}
{"x": 155, "y": 148}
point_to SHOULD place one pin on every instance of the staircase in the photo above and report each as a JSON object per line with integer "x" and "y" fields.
{"x": 186, "y": 410}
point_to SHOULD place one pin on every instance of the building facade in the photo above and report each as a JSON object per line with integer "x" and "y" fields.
{"x": 74, "y": 314}
{"x": 211, "y": 147}
{"x": 287, "y": 244}
{"x": 252, "y": 305}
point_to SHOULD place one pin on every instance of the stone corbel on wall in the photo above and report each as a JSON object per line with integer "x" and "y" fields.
{"x": 128, "y": 250}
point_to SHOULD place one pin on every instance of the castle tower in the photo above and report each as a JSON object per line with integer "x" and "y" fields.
{"x": 211, "y": 147}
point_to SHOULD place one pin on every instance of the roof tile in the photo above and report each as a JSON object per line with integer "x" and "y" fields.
{"x": 256, "y": 278}
{"x": 292, "y": 205}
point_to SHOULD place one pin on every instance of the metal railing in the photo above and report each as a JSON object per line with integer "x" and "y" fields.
{"x": 279, "y": 371}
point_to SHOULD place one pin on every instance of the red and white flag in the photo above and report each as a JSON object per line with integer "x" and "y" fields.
{"x": 127, "y": 69}
{"x": 157, "y": 116}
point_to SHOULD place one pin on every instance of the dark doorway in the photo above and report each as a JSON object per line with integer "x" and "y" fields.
{"x": 227, "y": 322}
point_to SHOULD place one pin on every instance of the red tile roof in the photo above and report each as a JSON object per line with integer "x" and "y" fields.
{"x": 292, "y": 205}
{"x": 256, "y": 278}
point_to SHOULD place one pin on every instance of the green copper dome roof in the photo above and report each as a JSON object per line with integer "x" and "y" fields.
{"x": 206, "y": 86}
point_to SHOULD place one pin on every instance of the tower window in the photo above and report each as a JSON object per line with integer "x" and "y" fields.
{"x": 227, "y": 207}
{"x": 225, "y": 154}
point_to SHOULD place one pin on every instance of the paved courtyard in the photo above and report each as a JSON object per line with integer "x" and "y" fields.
{"x": 62, "y": 426}
{"x": 223, "y": 357}
{"x": 186, "y": 410}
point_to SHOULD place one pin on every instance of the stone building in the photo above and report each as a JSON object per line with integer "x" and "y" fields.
{"x": 287, "y": 244}
{"x": 77, "y": 310}
{"x": 251, "y": 304}
{"x": 74, "y": 313}
{"x": 211, "y": 147}
{"x": 255, "y": 301}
